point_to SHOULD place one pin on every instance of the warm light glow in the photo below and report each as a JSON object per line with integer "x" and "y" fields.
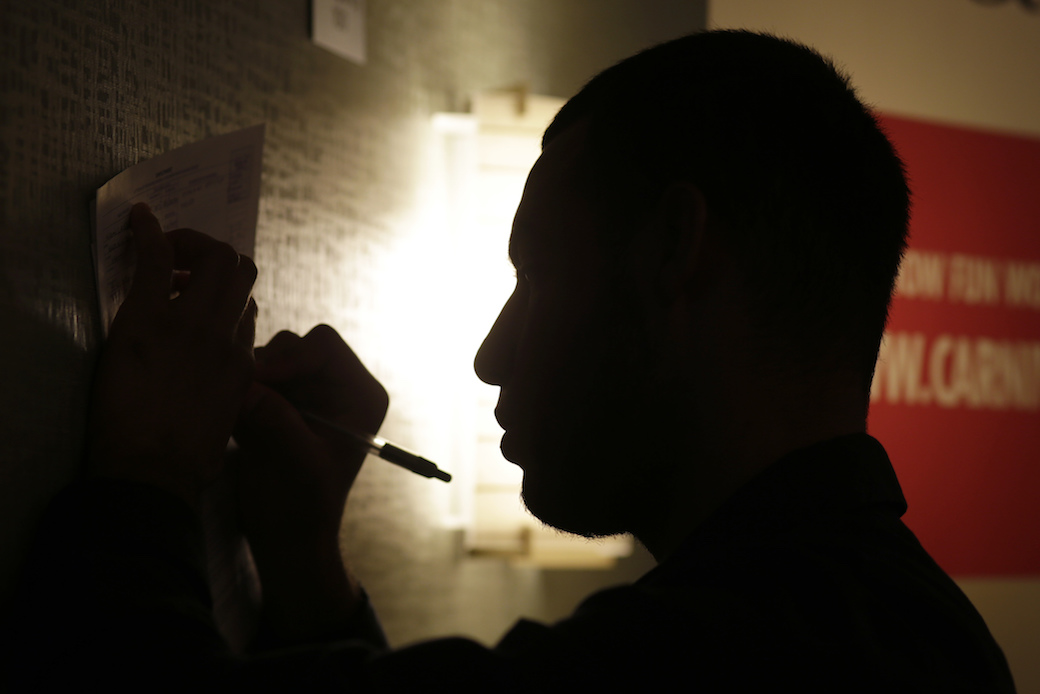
{"x": 446, "y": 283}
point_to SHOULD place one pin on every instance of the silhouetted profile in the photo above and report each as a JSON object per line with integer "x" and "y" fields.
{"x": 705, "y": 255}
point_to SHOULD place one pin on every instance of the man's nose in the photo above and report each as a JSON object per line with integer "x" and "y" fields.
{"x": 494, "y": 359}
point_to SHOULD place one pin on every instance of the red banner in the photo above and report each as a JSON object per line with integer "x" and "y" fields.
{"x": 956, "y": 396}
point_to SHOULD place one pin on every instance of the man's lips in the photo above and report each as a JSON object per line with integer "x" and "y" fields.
{"x": 505, "y": 416}
{"x": 509, "y": 441}
{"x": 509, "y": 448}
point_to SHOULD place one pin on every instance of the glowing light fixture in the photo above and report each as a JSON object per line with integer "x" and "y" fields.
{"x": 479, "y": 163}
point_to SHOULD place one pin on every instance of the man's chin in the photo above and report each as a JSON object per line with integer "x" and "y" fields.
{"x": 570, "y": 509}
{"x": 578, "y": 491}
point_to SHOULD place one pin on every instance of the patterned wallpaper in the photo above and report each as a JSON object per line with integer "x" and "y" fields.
{"x": 90, "y": 87}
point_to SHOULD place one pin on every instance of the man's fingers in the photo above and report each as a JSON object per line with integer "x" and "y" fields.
{"x": 240, "y": 288}
{"x": 288, "y": 356}
{"x": 246, "y": 332}
{"x": 151, "y": 285}
{"x": 193, "y": 249}
{"x": 358, "y": 398}
{"x": 328, "y": 351}
{"x": 267, "y": 422}
{"x": 220, "y": 279}
{"x": 274, "y": 361}
{"x": 320, "y": 373}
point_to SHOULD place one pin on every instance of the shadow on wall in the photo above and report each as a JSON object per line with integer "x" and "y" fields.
{"x": 47, "y": 352}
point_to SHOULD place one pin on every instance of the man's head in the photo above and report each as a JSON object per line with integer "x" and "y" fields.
{"x": 722, "y": 192}
{"x": 805, "y": 189}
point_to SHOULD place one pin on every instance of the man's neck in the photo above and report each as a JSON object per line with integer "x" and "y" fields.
{"x": 732, "y": 453}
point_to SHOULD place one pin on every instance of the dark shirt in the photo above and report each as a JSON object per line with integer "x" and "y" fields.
{"x": 806, "y": 580}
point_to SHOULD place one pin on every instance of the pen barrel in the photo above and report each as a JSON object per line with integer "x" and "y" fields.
{"x": 418, "y": 465}
{"x": 386, "y": 451}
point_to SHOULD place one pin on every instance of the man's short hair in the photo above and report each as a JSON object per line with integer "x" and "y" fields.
{"x": 809, "y": 194}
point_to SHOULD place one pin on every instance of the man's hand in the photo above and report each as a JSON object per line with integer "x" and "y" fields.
{"x": 294, "y": 477}
{"x": 174, "y": 371}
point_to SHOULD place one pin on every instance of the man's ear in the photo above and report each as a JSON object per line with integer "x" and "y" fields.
{"x": 682, "y": 219}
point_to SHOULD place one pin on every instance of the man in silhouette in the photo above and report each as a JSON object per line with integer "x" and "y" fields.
{"x": 705, "y": 255}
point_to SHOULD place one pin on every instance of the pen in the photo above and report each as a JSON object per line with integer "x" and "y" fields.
{"x": 384, "y": 449}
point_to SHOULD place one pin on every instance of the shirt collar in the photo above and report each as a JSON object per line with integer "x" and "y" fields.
{"x": 846, "y": 475}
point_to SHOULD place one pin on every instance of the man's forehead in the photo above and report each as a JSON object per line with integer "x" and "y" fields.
{"x": 553, "y": 191}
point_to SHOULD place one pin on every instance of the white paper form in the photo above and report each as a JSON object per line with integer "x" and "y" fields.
{"x": 212, "y": 186}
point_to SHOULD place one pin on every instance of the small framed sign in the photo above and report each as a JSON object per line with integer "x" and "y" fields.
{"x": 339, "y": 26}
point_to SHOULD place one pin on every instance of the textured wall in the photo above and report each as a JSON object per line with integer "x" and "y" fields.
{"x": 91, "y": 87}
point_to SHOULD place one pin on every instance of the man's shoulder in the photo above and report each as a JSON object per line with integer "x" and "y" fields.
{"x": 809, "y": 591}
